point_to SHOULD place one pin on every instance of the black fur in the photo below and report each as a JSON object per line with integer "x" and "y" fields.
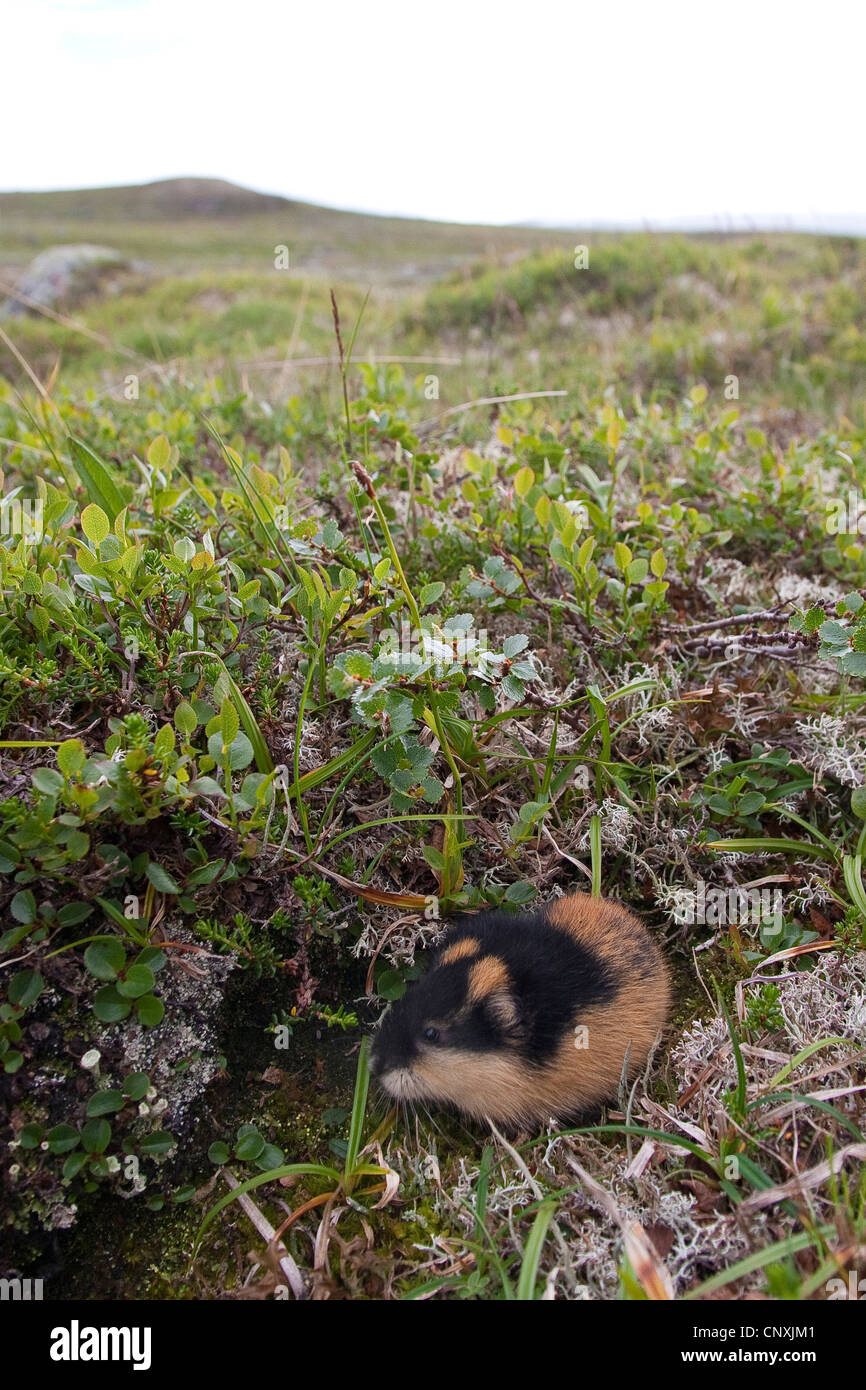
{"x": 553, "y": 978}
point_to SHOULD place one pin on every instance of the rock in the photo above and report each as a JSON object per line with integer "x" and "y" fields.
{"x": 65, "y": 275}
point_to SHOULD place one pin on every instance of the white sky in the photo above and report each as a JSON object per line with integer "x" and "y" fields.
{"x": 466, "y": 110}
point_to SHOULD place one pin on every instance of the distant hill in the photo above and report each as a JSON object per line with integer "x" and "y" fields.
{"x": 189, "y": 224}
{"x": 164, "y": 200}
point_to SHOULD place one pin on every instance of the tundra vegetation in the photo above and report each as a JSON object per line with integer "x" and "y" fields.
{"x": 308, "y": 638}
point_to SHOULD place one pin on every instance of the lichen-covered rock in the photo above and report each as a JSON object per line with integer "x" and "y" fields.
{"x": 66, "y": 275}
{"x": 72, "y": 1057}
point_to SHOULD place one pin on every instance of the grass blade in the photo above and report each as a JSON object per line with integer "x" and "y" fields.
{"x": 96, "y": 479}
{"x": 288, "y": 1170}
{"x": 359, "y": 1106}
{"x": 770, "y": 846}
{"x": 532, "y": 1252}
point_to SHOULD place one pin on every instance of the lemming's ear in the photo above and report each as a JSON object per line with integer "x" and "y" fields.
{"x": 503, "y": 1009}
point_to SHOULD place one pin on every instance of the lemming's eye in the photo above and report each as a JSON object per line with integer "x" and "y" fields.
{"x": 431, "y": 1034}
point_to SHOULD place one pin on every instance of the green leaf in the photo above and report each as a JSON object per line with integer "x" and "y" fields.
{"x": 206, "y": 786}
{"x": 435, "y": 858}
{"x": 335, "y": 1115}
{"x": 159, "y": 452}
{"x": 771, "y": 846}
{"x": 185, "y": 719}
{"x": 62, "y": 1138}
{"x": 264, "y": 761}
{"x": 429, "y": 594}
{"x": 432, "y": 789}
{"x": 219, "y": 1152}
{"x": 520, "y": 893}
{"x": 9, "y": 857}
{"x": 71, "y": 757}
{"x": 382, "y": 570}
{"x": 138, "y": 980}
{"x": 95, "y": 524}
{"x": 515, "y": 644}
{"x": 105, "y": 957}
{"x": 108, "y": 1005}
{"x": 658, "y": 563}
{"x": 206, "y": 874}
{"x": 47, "y": 780}
{"x": 813, "y": 619}
{"x": 77, "y": 845}
{"x": 104, "y": 1103}
{"x": 622, "y": 556}
{"x": 163, "y": 744}
{"x": 73, "y": 913}
{"x": 853, "y": 663}
{"x": 240, "y": 751}
{"x": 150, "y": 1010}
{"x": 852, "y": 872}
{"x": 229, "y": 723}
{"x": 657, "y": 588}
{"x": 833, "y": 633}
{"x": 96, "y": 1136}
{"x": 136, "y": 1085}
{"x": 524, "y": 482}
{"x": 636, "y": 571}
{"x": 359, "y": 1105}
{"x": 584, "y": 554}
{"x": 270, "y": 1157}
{"x": 158, "y": 1142}
{"x": 74, "y": 1164}
{"x": 858, "y": 802}
{"x": 25, "y": 988}
{"x": 249, "y": 1148}
{"x": 111, "y": 910}
{"x": 512, "y": 688}
{"x": 152, "y": 957}
{"x": 288, "y": 1170}
{"x": 23, "y": 907}
{"x": 161, "y": 879}
{"x": 390, "y": 985}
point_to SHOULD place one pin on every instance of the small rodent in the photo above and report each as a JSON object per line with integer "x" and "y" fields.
{"x": 528, "y": 1017}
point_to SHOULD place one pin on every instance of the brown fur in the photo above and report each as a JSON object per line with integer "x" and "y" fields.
{"x": 488, "y": 976}
{"x": 460, "y": 951}
{"x": 620, "y": 1033}
{"x": 603, "y": 925}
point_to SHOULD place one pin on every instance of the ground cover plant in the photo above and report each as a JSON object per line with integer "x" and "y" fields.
{"x": 294, "y": 661}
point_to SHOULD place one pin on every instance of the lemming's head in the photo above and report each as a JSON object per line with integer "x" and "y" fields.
{"x": 454, "y": 1027}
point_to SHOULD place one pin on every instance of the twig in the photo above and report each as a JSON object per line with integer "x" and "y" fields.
{"x": 293, "y": 1275}
{"x": 427, "y": 425}
{"x": 765, "y": 616}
